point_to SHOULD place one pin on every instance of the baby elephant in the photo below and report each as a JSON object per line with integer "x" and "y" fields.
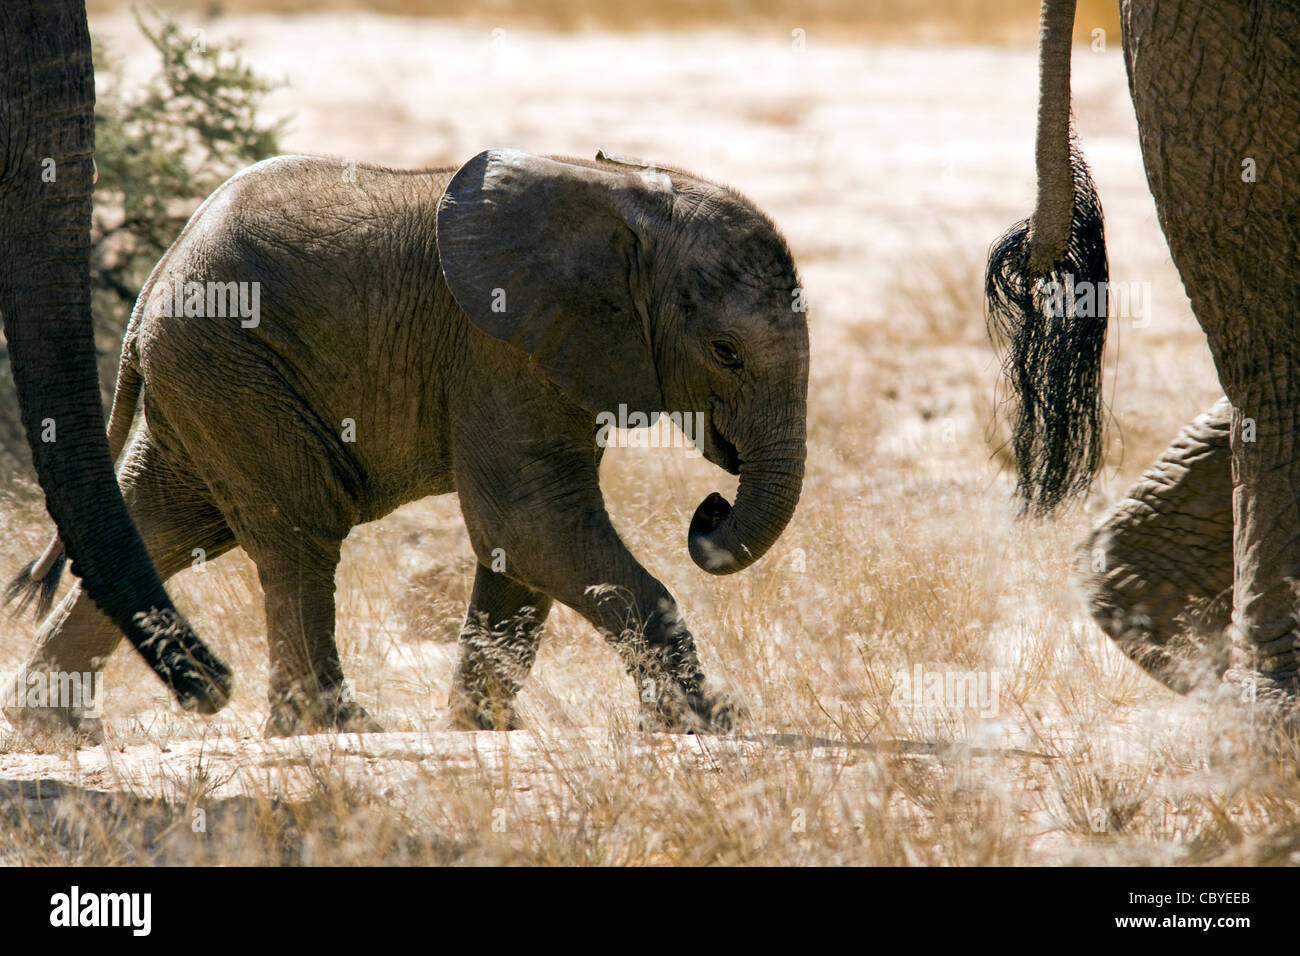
{"x": 325, "y": 342}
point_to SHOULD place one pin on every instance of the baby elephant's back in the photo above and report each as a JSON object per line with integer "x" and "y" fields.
{"x": 290, "y": 296}
{"x": 303, "y": 240}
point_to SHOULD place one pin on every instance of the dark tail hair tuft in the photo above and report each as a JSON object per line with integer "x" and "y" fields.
{"x": 1053, "y": 354}
{"x": 25, "y": 588}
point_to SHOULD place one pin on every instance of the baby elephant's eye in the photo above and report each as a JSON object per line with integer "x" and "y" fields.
{"x": 725, "y": 353}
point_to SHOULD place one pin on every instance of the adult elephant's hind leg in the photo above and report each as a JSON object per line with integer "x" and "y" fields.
{"x": 498, "y": 646}
{"x": 1158, "y": 571}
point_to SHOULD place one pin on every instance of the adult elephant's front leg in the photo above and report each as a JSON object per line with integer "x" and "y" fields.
{"x": 1158, "y": 571}
{"x": 1266, "y": 539}
{"x": 498, "y": 645}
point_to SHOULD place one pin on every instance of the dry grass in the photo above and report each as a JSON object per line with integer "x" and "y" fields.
{"x": 904, "y": 552}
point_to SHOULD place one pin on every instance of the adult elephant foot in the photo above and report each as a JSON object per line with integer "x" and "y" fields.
{"x": 1158, "y": 571}
{"x": 327, "y": 712}
{"x": 1265, "y": 629}
{"x": 1158, "y": 574}
{"x": 1267, "y": 709}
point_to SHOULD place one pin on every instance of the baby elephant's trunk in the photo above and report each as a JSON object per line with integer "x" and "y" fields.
{"x": 724, "y": 539}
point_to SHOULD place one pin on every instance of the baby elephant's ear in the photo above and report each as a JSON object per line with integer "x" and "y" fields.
{"x": 545, "y": 255}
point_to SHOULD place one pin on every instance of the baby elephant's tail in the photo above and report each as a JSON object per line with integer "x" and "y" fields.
{"x": 38, "y": 582}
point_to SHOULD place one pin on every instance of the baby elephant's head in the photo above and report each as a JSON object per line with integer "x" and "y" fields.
{"x": 642, "y": 289}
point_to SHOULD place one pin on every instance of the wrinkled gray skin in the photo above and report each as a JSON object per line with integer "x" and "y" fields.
{"x": 47, "y": 141}
{"x": 1213, "y": 85}
{"x": 1158, "y": 569}
{"x": 471, "y": 324}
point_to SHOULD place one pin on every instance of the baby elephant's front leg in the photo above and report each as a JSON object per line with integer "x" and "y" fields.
{"x": 498, "y": 645}
{"x": 599, "y": 578}
{"x": 543, "y": 514}
{"x": 644, "y": 626}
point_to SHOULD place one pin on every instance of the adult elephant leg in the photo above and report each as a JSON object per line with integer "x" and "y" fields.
{"x": 46, "y": 148}
{"x": 1158, "y": 571}
{"x": 307, "y": 691}
{"x": 174, "y": 518}
{"x": 1220, "y": 134}
{"x": 1266, "y": 591}
{"x": 498, "y": 646}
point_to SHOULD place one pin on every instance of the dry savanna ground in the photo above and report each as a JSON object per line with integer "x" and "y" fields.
{"x": 891, "y": 166}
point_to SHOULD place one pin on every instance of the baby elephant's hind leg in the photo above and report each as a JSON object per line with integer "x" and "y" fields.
{"x": 307, "y": 691}
{"x": 1158, "y": 570}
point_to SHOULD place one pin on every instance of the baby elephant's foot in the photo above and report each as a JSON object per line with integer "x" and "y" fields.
{"x": 709, "y": 710}
{"x": 56, "y": 723}
{"x": 330, "y": 712}
{"x": 479, "y": 712}
{"x": 34, "y": 703}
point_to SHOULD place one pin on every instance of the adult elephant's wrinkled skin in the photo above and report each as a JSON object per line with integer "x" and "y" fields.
{"x": 1211, "y": 536}
{"x": 1158, "y": 570}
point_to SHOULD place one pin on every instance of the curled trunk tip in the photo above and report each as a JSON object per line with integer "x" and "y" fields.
{"x": 707, "y": 549}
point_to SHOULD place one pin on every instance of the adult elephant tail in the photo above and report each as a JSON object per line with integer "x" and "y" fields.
{"x": 1045, "y": 290}
{"x": 46, "y": 147}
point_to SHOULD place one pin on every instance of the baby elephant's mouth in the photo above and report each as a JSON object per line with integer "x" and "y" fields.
{"x": 720, "y": 451}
